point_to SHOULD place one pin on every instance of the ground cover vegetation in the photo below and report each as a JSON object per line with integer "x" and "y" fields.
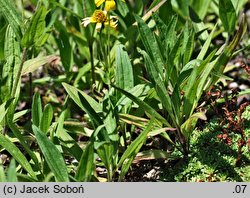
{"x": 124, "y": 90}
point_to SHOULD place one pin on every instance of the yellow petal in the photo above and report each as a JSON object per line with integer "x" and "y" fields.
{"x": 113, "y": 22}
{"x": 99, "y": 2}
{"x": 110, "y": 5}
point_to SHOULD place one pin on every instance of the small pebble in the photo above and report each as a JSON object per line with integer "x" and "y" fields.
{"x": 233, "y": 85}
{"x": 243, "y": 87}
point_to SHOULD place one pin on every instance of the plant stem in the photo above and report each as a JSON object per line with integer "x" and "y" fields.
{"x": 19, "y": 73}
{"x": 30, "y": 92}
{"x": 92, "y": 63}
{"x": 109, "y": 59}
{"x": 124, "y": 136}
{"x": 22, "y": 11}
{"x": 103, "y": 52}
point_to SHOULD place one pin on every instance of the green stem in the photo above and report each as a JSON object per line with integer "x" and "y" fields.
{"x": 109, "y": 59}
{"x": 103, "y": 51}
{"x": 30, "y": 92}
{"x": 22, "y": 11}
{"x": 19, "y": 73}
{"x": 92, "y": 63}
{"x": 124, "y": 136}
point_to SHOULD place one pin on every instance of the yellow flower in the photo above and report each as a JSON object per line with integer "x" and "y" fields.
{"x": 109, "y": 4}
{"x": 100, "y": 17}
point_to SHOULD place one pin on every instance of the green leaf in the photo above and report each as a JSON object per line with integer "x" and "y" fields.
{"x": 196, "y": 84}
{"x": 206, "y": 45}
{"x": 144, "y": 106}
{"x": 140, "y": 91}
{"x": 183, "y": 6}
{"x": 238, "y": 36}
{"x": 125, "y": 167}
{"x": 36, "y": 28}
{"x": 36, "y": 109}
{"x": 188, "y": 126}
{"x": 64, "y": 46}
{"x": 88, "y": 7}
{"x": 52, "y": 156}
{"x": 2, "y": 173}
{"x": 124, "y": 70}
{"x": 150, "y": 44}
{"x": 131, "y": 119}
{"x": 162, "y": 132}
{"x": 136, "y": 144}
{"x": 190, "y": 92}
{"x": 25, "y": 178}
{"x": 173, "y": 57}
{"x": 188, "y": 43}
{"x": 176, "y": 97}
{"x": 32, "y": 64}
{"x": 87, "y": 104}
{"x": 122, "y": 8}
{"x": 74, "y": 94}
{"x": 106, "y": 153}
{"x": 2, "y": 37}
{"x": 110, "y": 119}
{"x": 10, "y": 13}
{"x": 12, "y": 54}
{"x": 86, "y": 166}
{"x": 167, "y": 32}
{"x": 187, "y": 70}
{"x": 221, "y": 62}
{"x": 15, "y": 130}
{"x": 133, "y": 149}
{"x": 70, "y": 145}
{"x": 46, "y": 119}
{"x": 61, "y": 5}
{"x": 66, "y": 140}
{"x": 17, "y": 154}
{"x": 11, "y": 174}
{"x": 4, "y": 109}
{"x": 227, "y": 15}
{"x": 159, "y": 86}
{"x": 20, "y": 114}
{"x": 201, "y": 7}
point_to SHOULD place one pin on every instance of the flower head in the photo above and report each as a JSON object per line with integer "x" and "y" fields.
{"x": 100, "y": 17}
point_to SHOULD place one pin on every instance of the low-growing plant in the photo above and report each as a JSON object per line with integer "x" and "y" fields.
{"x": 177, "y": 80}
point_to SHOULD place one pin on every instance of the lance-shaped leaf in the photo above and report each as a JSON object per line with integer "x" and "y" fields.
{"x": 32, "y": 64}
{"x": 144, "y": 106}
{"x": 227, "y": 15}
{"x": 17, "y": 154}
{"x": 36, "y": 28}
{"x": 124, "y": 70}
{"x": 10, "y": 13}
{"x": 89, "y": 105}
{"x": 52, "y": 156}
{"x": 150, "y": 44}
{"x": 130, "y": 153}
